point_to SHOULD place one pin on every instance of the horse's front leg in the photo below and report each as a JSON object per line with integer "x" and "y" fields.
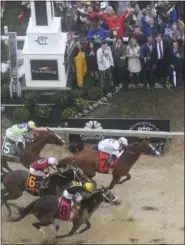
{"x": 128, "y": 177}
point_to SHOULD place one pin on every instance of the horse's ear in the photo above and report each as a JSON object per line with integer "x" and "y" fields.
{"x": 140, "y": 139}
{"x": 103, "y": 188}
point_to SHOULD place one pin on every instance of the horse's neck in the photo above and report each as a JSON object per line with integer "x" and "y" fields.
{"x": 39, "y": 146}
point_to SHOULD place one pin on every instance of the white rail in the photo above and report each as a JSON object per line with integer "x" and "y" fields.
{"x": 113, "y": 132}
{"x": 19, "y": 38}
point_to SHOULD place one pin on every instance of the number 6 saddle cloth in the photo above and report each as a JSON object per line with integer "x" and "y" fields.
{"x": 32, "y": 184}
{"x": 103, "y": 160}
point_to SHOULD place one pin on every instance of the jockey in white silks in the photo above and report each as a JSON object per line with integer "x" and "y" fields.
{"x": 113, "y": 147}
{"x": 20, "y": 133}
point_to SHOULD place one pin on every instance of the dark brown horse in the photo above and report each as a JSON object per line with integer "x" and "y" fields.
{"x": 31, "y": 152}
{"x": 89, "y": 161}
{"x": 46, "y": 210}
{"x": 18, "y": 181}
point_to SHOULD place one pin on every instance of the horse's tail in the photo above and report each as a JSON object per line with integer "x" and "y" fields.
{"x": 23, "y": 211}
{"x": 76, "y": 147}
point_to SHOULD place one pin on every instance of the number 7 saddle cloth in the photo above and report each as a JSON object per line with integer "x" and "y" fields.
{"x": 103, "y": 160}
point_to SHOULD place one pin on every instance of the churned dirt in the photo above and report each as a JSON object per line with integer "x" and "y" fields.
{"x": 152, "y": 208}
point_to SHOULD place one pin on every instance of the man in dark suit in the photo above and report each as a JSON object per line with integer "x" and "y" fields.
{"x": 139, "y": 36}
{"x": 175, "y": 64}
{"x": 120, "y": 73}
{"x": 161, "y": 71}
{"x": 148, "y": 54}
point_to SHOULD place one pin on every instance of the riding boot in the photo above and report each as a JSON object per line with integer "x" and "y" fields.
{"x": 43, "y": 183}
{"x": 20, "y": 147}
{"x": 111, "y": 160}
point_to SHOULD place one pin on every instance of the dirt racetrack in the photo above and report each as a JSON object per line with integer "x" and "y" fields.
{"x": 152, "y": 209}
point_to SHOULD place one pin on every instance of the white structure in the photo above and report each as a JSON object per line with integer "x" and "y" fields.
{"x": 44, "y": 49}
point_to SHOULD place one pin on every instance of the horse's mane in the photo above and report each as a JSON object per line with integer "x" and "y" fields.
{"x": 91, "y": 196}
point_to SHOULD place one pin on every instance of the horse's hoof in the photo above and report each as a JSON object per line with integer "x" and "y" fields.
{"x": 117, "y": 202}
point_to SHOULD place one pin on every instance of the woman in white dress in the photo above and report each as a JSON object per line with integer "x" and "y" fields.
{"x": 134, "y": 63}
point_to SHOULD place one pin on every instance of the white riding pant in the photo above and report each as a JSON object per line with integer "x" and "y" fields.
{"x": 13, "y": 137}
{"x": 108, "y": 148}
{"x": 69, "y": 196}
{"x": 37, "y": 172}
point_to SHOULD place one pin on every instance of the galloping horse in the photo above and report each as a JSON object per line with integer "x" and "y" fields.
{"x": 46, "y": 209}
{"x": 18, "y": 181}
{"x": 32, "y": 150}
{"x": 92, "y": 161}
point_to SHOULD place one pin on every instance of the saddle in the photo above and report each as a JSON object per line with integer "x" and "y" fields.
{"x": 10, "y": 148}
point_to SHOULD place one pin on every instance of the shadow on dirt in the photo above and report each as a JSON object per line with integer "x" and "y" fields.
{"x": 149, "y": 208}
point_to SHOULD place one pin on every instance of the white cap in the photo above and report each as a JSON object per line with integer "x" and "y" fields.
{"x": 52, "y": 161}
{"x": 103, "y": 5}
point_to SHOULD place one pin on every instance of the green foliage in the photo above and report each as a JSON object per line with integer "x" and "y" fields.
{"x": 21, "y": 114}
{"x": 5, "y": 77}
{"x": 43, "y": 112}
{"x": 81, "y": 104}
{"x": 31, "y": 98}
{"x": 88, "y": 83}
{"x": 108, "y": 88}
{"x": 68, "y": 113}
{"x": 5, "y": 91}
{"x": 76, "y": 93}
{"x": 95, "y": 93}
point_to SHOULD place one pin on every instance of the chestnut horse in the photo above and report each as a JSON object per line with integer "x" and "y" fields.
{"x": 88, "y": 161}
{"x": 31, "y": 152}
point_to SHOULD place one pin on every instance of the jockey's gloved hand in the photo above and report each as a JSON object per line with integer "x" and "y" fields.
{"x": 29, "y": 140}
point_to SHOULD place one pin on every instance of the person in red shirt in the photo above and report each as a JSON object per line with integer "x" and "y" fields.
{"x": 115, "y": 24}
{"x": 40, "y": 169}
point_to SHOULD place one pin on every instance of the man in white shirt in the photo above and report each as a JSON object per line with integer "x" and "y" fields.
{"x": 105, "y": 62}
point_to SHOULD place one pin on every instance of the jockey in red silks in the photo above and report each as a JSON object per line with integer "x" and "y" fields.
{"x": 40, "y": 168}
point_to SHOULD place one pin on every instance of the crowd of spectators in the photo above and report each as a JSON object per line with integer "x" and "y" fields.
{"x": 135, "y": 43}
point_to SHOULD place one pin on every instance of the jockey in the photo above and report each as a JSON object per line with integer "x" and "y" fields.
{"x": 40, "y": 168}
{"x": 113, "y": 147}
{"x": 19, "y": 133}
{"x": 74, "y": 193}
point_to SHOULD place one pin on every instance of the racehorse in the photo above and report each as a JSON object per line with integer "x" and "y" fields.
{"x": 32, "y": 150}
{"x": 18, "y": 181}
{"x": 46, "y": 210}
{"x": 92, "y": 161}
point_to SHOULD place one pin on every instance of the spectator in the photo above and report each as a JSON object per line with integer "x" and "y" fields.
{"x": 70, "y": 52}
{"x": 98, "y": 34}
{"x": 91, "y": 59}
{"x": 162, "y": 47}
{"x": 148, "y": 54}
{"x": 175, "y": 61}
{"x": 119, "y": 55}
{"x": 134, "y": 64}
{"x": 71, "y": 19}
{"x": 173, "y": 33}
{"x": 139, "y": 36}
{"x": 105, "y": 62}
{"x": 115, "y": 24}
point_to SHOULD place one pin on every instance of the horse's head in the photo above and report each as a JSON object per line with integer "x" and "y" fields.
{"x": 146, "y": 147}
{"x": 49, "y": 136}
